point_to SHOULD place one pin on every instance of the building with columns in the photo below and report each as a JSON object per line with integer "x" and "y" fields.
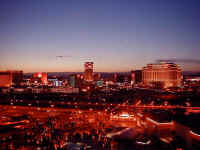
{"x": 162, "y": 75}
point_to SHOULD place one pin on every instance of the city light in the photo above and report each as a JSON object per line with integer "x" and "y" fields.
{"x": 100, "y": 75}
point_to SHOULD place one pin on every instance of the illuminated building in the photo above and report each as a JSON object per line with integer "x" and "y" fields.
{"x": 162, "y": 75}
{"x": 88, "y": 73}
{"x": 55, "y": 82}
{"x": 5, "y": 79}
{"x": 72, "y": 80}
{"x": 40, "y": 77}
{"x": 115, "y": 77}
{"x": 119, "y": 78}
{"x": 193, "y": 79}
{"x": 136, "y": 76}
{"x": 17, "y": 77}
{"x": 100, "y": 83}
{"x": 10, "y": 78}
{"x": 64, "y": 90}
{"x": 97, "y": 76}
{"x": 75, "y": 80}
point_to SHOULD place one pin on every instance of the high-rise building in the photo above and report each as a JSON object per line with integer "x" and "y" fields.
{"x": 115, "y": 77}
{"x": 72, "y": 80}
{"x": 17, "y": 77}
{"x": 162, "y": 75}
{"x": 88, "y": 73}
{"x": 5, "y": 79}
{"x": 40, "y": 77}
{"x": 11, "y": 78}
{"x": 136, "y": 76}
{"x": 76, "y": 80}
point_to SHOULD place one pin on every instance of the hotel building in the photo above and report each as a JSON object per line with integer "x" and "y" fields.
{"x": 10, "y": 78}
{"x": 40, "y": 77}
{"x": 136, "y": 76}
{"x": 88, "y": 73}
{"x": 162, "y": 75}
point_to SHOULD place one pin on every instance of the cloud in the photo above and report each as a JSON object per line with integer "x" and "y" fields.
{"x": 174, "y": 60}
{"x": 62, "y": 56}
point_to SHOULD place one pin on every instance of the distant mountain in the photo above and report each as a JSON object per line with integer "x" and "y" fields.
{"x": 191, "y": 73}
{"x": 105, "y": 74}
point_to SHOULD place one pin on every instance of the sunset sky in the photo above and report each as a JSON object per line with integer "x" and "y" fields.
{"x": 118, "y": 35}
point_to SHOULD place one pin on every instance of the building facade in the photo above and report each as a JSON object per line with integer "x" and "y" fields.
{"x": 40, "y": 78}
{"x": 75, "y": 80}
{"x": 162, "y": 75}
{"x": 11, "y": 78}
{"x": 136, "y": 76}
{"x": 88, "y": 72}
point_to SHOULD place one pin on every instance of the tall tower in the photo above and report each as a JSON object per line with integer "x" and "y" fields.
{"x": 88, "y": 73}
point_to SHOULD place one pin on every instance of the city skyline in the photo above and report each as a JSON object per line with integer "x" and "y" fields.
{"x": 49, "y": 36}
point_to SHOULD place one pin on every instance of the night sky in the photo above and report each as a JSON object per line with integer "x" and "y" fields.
{"x": 118, "y": 35}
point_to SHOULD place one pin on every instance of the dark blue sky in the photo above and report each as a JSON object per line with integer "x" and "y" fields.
{"x": 116, "y": 35}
